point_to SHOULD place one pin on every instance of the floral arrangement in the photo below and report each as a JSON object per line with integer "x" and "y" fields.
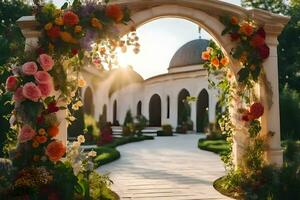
{"x": 46, "y": 79}
{"x": 250, "y": 51}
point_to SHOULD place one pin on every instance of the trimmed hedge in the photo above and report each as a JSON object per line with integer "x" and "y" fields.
{"x": 108, "y": 153}
{"x": 215, "y": 146}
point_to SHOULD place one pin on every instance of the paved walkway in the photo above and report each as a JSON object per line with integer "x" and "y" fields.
{"x": 167, "y": 168}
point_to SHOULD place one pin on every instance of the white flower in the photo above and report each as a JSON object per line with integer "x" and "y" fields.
{"x": 77, "y": 167}
{"x": 92, "y": 154}
{"x": 81, "y": 139}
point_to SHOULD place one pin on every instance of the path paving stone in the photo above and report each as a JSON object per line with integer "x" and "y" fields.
{"x": 167, "y": 168}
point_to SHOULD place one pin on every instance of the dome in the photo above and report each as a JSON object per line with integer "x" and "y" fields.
{"x": 123, "y": 77}
{"x": 189, "y": 54}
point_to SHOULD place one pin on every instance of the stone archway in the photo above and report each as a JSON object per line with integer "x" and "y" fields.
{"x": 202, "y": 111}
{"x": 184, "y": 109}
{"x": 206, "y": 14}
{"x": 155, "y": 111}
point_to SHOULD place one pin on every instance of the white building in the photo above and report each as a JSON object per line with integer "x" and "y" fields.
{"x": 159, "y": 98}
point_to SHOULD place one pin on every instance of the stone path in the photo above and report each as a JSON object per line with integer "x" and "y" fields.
{"x": 167, "y": 168}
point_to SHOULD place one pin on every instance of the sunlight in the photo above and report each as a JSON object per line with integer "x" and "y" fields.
{"x": 159, "y": 40}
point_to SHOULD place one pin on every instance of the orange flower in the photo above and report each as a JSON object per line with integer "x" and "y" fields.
{"x": 70, "y": 18}
{"x": 115, "y": 12}
{"x": 96, "y": 23}
{"x": 246, "y": 29}
{"x": 234, "y": 20}
{"x": 53, "y": 131}
{"x": 225, "y": 61}
{"x": 42, "y": 131}
{"x": 78, "y": 29}
{"x": 41, "y": 139}
{"x": 205, "y": 55}
{"x": 59, "y": 21}
{"x": 48, "y": 26}
{"x": 67, "y": 37}
{"x": 215, "y": 62}
{"x": 35, "y": 144}
{"x": 55, "y": 150}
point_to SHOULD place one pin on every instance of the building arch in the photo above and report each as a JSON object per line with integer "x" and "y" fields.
{"x": 183, "y": 107}
{"x": 202, "y": 111}
{"x": 155, "y": 111}
{"x": 139, "y": 109}
{"x": 168, "y": 107}
{"x": 115, "y": 107}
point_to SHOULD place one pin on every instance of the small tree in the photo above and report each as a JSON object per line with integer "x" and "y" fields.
{"x": 128, "y": 118}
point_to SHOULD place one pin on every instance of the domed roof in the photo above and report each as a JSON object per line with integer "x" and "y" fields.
{"x": 123, "y": 77}
{"x": 189, "y": 54}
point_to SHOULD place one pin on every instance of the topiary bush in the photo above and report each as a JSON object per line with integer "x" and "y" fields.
{"x": 167, "y": 130}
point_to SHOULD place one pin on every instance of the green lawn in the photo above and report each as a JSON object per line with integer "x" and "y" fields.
{"x": 108, "y": 153}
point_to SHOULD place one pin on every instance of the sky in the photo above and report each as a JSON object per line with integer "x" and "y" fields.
{"x": 159, "y": 41}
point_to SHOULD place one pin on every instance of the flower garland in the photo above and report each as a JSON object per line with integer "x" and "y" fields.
{"x": 46, "y": 79}
{"x": 251, "y": 51}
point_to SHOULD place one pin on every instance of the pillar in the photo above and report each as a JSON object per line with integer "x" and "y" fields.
{"x": 28, "y": 27}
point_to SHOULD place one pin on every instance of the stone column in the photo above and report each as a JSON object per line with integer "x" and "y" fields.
{"x": 269, "y": 93}
{"x": 28, "y": 27}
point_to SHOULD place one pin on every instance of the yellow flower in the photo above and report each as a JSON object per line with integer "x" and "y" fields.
{"x": 48, "y": 26}
{"x": 81, "y": 83}
{"x": 78, "y": 29}
{"x": 79, "y": 103}
{"x": 67, "y": 37}
{"x": 35, "y": 144}
{"x": 75, "y": 107}
{"x": 42, "y": 131}
{"x": 81, "y": 139}
{"x": 96, "y": 23}
{"x": 57, "y": 12}
{"x": 59, "y": 21}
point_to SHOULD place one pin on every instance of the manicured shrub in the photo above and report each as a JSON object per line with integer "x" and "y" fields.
{"x": 106, "y": 135}
{"x": 167, "y": 130}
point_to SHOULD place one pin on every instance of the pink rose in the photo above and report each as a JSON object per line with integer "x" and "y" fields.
{"x": 43, "y": 77}
{"x": 18, "y": 95}
{"x": 31, "y": 91}
{"x": 46, "y": 89}
{"x": 29, "y": 68}
{"x": 11, "y": 83}
{"x": 26, "y": 134}
{"x": 46, "y": 62}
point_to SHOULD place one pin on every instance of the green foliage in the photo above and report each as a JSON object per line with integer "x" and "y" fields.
{"x": 11, "y": 45}
{"x": 92, "y": 130}
{"x": 128, "y": 118}
{"x": 140, "y": 123}
{"x": 265, "y": 181}
{"x": 275, "y": 6}
{"x": 167, "y": 129}
{"x": 289, "y": 114}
